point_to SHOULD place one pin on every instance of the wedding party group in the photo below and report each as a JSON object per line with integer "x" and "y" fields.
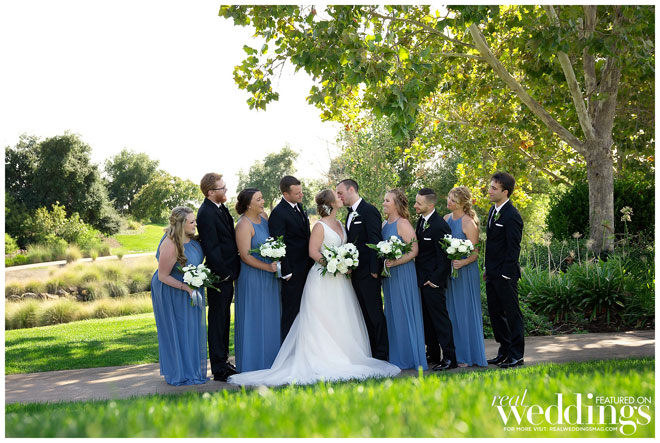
{"x": 365, "y": 295}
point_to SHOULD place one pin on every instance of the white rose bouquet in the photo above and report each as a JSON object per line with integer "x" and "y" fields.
{"x": 197, "y": 277}
{"x": 456, "y": 249}
{"x": 391, "y": 249}
{"x": 274, "y": 249}
{"x": 340, "y": 259}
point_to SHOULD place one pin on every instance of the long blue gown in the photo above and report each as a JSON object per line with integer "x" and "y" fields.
{"x": 403, "y": 312}
{"x": 258, "y": 311}
{"x": 464, "y": 307}
{"x": 181, "y": 327}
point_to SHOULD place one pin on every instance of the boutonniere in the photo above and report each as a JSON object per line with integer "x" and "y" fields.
{"x": 356, "y": 215}
{"x": 426, "y": 225}
{"x": 497, "y": 216}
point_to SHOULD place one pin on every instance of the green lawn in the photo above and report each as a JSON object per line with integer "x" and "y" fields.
{"x": 440, "y": 405}
{"x": 145, "y": 240}
{"x": 117, "y": 341}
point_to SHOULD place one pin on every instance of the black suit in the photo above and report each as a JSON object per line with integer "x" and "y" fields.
{"x": 365, "y": 228}
{"x": 502, "y": 254}
{"x": 294, "y": 227}
{"x": 217, "y": 236}
{"x": 433, "y": 265}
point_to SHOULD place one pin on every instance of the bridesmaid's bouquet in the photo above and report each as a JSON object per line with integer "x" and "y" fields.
{"x": 340, "y": 259}
{"x": 391, "y": 249}
{"x": 273, "y": 248}
{"x": 197, "y": 277}
{"x": 456, "y": 249}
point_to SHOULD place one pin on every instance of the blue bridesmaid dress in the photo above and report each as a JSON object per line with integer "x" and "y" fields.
{"x": 403, "y": 312}
{"x": 181, "y": 327}
{"x": 258, "y": 310}
{"x": 464, "y": 307}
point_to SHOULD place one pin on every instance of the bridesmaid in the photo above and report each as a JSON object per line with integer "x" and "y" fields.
{"x": 464, "y": 291}
{"x": 403, "y": 304}
{"x": 258, "y": 307}
{"x": 181, "y": 327}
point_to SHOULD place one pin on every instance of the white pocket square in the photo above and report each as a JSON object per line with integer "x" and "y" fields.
{"x": 497, "y": 224}
{"x": 356, "y": 223}
{"x": 426, "y": 238}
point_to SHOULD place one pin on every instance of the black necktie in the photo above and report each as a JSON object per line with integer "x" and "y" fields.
{"x": 492, "y": 216}
{"x": 420, "y": 225}
{"x": 300, "y": 214}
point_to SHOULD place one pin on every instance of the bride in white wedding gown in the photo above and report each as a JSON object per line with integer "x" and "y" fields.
{"x": 328, "y": 339}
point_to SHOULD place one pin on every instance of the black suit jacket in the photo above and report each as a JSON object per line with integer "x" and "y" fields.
{"x": 366, "y": 228}
{"x": 503, "y": 238}
{"x": 432, "y": 263}
{"x": 286, "y": 222}
{"x": 218, "y": 239}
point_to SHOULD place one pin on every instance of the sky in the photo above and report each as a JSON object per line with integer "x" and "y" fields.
{"x": 151, "y": 76}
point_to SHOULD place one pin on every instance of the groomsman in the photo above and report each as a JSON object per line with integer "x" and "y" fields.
{"x": 433, "y": 268}
{"x": 364, "y": 225}
{"x": 502, "y": 271}
{"x": 289, "y": 220}
{"x": 216, "y": 233}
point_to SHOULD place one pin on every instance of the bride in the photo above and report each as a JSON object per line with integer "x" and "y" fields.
{"x": 328, "y": 339}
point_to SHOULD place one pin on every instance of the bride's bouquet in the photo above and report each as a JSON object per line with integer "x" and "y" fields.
{"x": 340, "y": 259}
{"x": 391, "y": 249}
{"x": 273, "y": 248}
{"x": 456, "y": 249}
{"x": 197, "y": 277}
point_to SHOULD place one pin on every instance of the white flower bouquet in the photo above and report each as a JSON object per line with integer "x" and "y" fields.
{"x": 274, "y": 249}
{"x": 391, "y": 249}
{"x": 456, "y": 249}
{"x": 197, "y": 277}
{"x": 340, "y": 259}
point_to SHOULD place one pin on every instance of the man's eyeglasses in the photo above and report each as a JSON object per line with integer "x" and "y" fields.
{"x": 224, "y": 188}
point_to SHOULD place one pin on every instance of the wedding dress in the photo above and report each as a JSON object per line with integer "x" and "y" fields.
{"x": 328, "y": 339}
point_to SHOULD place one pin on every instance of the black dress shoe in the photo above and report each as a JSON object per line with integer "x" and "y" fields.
{"x": 444, "y": 365}
{"x": 231, "y": 369}
{"x": 220, "y": 376}
{"x": 512, "y": 363}
{"x": 497, "y": 360}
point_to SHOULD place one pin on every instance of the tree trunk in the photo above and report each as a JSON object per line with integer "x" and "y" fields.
{"x": 600, "y": 175}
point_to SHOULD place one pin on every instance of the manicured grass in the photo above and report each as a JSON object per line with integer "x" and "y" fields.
{"x": 118, "y": 341}
{"x": 440, "y": 405}
{"x": 145, "y": 240}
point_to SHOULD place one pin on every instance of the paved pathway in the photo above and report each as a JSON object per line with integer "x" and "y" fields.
{"x": 129, "y": 381}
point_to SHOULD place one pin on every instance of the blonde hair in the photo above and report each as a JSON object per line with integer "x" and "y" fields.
{"x": 463, "y": 198}
{"x": 176, "y": 233}
{"x": 324, "y": 201}
{"x": 400, "y": 203}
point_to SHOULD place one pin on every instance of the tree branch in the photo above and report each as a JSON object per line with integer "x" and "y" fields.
{"x": 513, "y": 84}
{"x": 576, "y": 93}
{"x": 588, "y": 60}
{"x": 421, "y": 25}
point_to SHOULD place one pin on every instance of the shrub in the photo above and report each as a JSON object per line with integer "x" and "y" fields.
{"x": 93, "y": 254}
{"x": 63, "y": 310}
{"x": 104, "y": 309}
{"x": 551, "y": 293}
{"x": 10, "y": 244}
{"x": 22, "y": 315}
{"x": 53, "y": 285}
{"x": 569, "y": 211}
{"x": 93, "y": 291}
{"x": 17, "y": 260}
{"x": 112, "y": 272}
{"x": 138, "y": 282}
{"x": 38, "y": 253}
{"x": 14, "y": 289}
{"x": 115, "y": 289}
{"x": 600, "y": 286}
{"x": 35, "y": 286}
{"x": 72, "y": 254}
{"x": 120, "y": 254}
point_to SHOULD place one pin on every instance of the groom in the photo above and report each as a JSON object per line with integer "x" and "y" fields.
{"x": 433, "y": 268}
{"x": 289, "y": 220}
{"x": 502, "y": 271}
{"x": 364, "y": 226}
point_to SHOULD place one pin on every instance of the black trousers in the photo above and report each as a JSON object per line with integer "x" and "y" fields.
{"x": 291, "y": 296}
{"x": 218, "y": 324}
{"x": 368, "y": 294}
{"x": 505, "y": 316}
{"x": 437, "y": 323}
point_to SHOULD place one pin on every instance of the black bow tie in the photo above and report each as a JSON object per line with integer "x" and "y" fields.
{"x": 350, "y": 209}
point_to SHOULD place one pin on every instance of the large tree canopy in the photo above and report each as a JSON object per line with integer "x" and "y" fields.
{"x": 524, "y": 88}
{"x": 127, "y": 172}
{"x": 58, "y": 170}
